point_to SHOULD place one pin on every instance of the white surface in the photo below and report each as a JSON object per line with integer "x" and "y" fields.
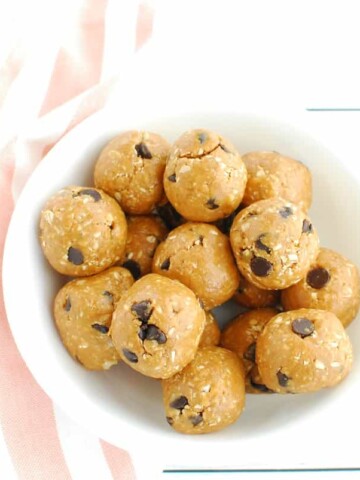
{"x": 124, "y": 407}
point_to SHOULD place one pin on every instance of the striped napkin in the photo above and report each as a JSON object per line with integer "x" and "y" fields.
{"x": 52, "y": 78}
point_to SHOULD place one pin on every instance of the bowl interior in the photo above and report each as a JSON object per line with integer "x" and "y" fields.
{"x": 119, "y": 401}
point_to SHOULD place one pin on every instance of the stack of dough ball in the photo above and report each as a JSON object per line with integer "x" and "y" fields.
{"x": 303, "y": 351}
{"x": 144, "y": 235}
{"x": 274, "y": 243}
{"x": 205, "y": 177}
{"x": 82, "y": 231}
{"x": 271, "y": 174}
{"x": 208, "y": 394}
{"x": 83, "y": 311}
{"x": 331, "y": 283}
{"x": 199, "y": 256}
{"x": 130, "y": 168}
{"x": 240, "y": 336}
{"x": 157, "y": 326}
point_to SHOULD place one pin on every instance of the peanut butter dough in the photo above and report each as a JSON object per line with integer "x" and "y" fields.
{"x": 250, "y": 296}
{"x": 211, "y": 333}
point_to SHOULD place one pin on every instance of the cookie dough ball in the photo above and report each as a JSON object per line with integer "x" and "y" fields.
{"x": 200, "y": 257}
{"x": 82, "y": 231}
{"x": 144, "y": 235}
{"x": 331, "y": 283}
{"x": 271, "y": 174}
{"x": 240, "y": 335}
{"x": 157, "y": 326}
{"x": 303, "y": 351}
{"x": 205, "y": 176}
{"x": 274, "y": 243}
{"x": 83, "y": 310}
{"x": 130, "y": 168}
{"x": 250, "y": 296}
{"x": 208, "y": 395}
{"x": 211, "y": 333}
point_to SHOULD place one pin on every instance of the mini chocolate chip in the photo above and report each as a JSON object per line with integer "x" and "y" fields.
{"x": 211, "y": 205}
{"x": 260, "y": 245}
{"x": 285, "y": 212}
{"x": 223, "y": 147}
{"x": 260, "y": 266}
{"x": 179, "y": 403}
{"x": 170, "y": 420}
{"x": 142, "y": 310}
{"x": 75, "y": 256}
{"x": 250, "y": 352}
{"x": 67, "y": 306}
{"x": 133, "y": 267}
{"x": 100, "y": 328}
{"x": 129, "y": 355}
{"x": 169, "y": 215}
{"x": 142, "y": 332}
{"x": 165, "y": 264}
{"x": 92, "y": 193}
{"x": 106, "y": 293}
{"x": 152, "y": 332}
{"x": 303, "y": 327}
{"x": 282, "y": 378}
{"x": 172, "y": 178}
{"x": 260, "y": 386}
{"x": 202, "y": 137}
{"x": 143, "y": 151}
{"x": 318, "y": 277}
{"x": 196, "y": 419}
{"x": 307, "y": 226}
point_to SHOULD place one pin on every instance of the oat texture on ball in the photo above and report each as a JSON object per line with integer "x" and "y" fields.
{"x": 205, "y": 176}
{"x": 157, "y": 326}
{"x": 208, "y": 394}
{"x": 83, "y": 311}
{"x": 199, "y": 256}
{"x": 130, "y": 168}
{"x": 274, "y": 243}
{"x": 303, "y": 351}
{"x": 331, "y": 283}
{"x": 82, "y": 231}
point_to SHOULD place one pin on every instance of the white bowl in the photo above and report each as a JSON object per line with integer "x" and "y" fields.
{"x": 124, "y": 407}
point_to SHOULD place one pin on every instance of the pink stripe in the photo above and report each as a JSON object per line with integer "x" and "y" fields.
{"x": 10, "y": 70}
{"x": 119, "y": 462}
{"x": 69, "y": 79}
{"x": 144, "y": 25}
{"x": 26, "y": 413}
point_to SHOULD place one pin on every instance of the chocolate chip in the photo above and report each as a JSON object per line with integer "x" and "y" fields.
{"x": 250, "y": 352}
{"x": 179, "y": 403}
{"x": 260, "y": 386}
{"x": 285, "y": 212}
{"x": 165, "y": 264}
{"x": 142, "y": 310}
{"x": 100, "y": 328}
{"x": 75, "y": 256}
{"x": 211, "y": 205}
{"x": 152, "y": 332}
{"x": 196, "y": 419}
{"x": 67, "y": 306}
{"x": 169, "y": 215}
{"x": 133, "y": 267}
{"x": 202, "y": 137}
{"x": 260, "y": 266}
{"x": 318, "y": 277}
{"x": 129, "y": 355}
{"x": 307, "y": 226}
{"x": 282, "y": 378}
{"x": 224, "y": 148}
{"x": 303, "y": 327}
{"x": 172, "y": 178}
{"x": 143, "y": 151}
{"x": 108, "y": 294}
{"x": 170, "y": 420}
{"x": 92, "y": 193}
{"x": 260, "y": 245}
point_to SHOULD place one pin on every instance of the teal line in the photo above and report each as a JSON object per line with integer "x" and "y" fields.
{"x": 333, "y": 109}
{"x": 269, "y": 470}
